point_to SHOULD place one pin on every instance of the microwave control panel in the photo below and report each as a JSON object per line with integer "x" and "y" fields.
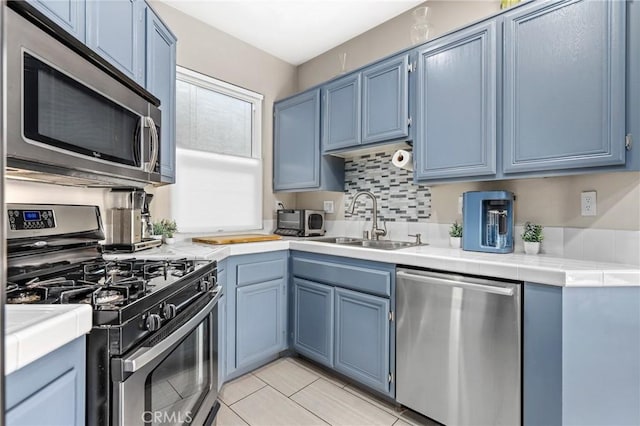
{"x": 31, "y": 219}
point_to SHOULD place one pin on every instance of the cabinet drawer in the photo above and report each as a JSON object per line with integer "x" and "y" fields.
{"x": 350, "y": 276}
{"x": 257, "y": 272}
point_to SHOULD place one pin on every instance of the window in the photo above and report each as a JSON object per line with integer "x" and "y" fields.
{"x": 218, "y": 156}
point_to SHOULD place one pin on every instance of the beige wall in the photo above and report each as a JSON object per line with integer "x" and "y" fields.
{"x": 392, "y": 36}
{"x": 549, "y": 201}
{"x": 556, "y": 201}
{"x": 212, "y": 52}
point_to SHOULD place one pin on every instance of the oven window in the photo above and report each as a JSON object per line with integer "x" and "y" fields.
{"x": 175, "y": 389}
{"x": 63, "y": 113}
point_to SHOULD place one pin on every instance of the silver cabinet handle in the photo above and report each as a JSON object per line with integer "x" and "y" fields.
{"x": 155, "y": 143}
{"x": 145, "y": 355}
{"x": 504, "y": 291}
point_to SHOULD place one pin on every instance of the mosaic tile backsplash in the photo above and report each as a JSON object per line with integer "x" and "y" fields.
{"x": 399, "y": 199}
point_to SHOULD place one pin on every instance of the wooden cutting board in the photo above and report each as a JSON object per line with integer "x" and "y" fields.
{"x": 236, "y": 239}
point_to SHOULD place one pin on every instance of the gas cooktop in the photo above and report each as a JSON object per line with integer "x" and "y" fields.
{"x": 103, "y": 284}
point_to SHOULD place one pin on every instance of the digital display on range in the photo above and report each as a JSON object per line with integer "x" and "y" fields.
{"x": 31, "y": 216}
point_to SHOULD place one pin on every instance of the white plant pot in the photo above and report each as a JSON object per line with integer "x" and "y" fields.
{"x": 157, "y": 237}
{"x": 455, "y": 242}
{"x": 531, "y": 247}
{"x": 169, "y": 241}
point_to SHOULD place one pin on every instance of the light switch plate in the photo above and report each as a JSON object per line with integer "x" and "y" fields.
{"x": 328, "y": 207}
{"x": 460, "y": 204}
{"x": 588, "y": 203}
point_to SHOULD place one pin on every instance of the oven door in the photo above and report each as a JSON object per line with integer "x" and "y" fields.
{"x": 173, "y": 382}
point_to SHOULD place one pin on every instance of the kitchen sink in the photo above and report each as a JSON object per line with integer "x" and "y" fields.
{"x": 382, "y": 244}
{"x": 337, "y": 240}
{"x": 375, "y": 244}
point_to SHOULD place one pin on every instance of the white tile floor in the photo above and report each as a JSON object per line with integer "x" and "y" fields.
{"x": 291, "y": 391}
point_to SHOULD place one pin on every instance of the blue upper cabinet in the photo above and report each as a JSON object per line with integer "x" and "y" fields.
{"x": 456, "y": 105}
{"x": 564, "y": 85}
{"x": 385, "y": 101}
{"x": 341, "y": 113}
{"x": 161, "y": 81}
{"x": 115, "y": 30}
{"x": 69, "y": 14}
{"x": 297, "y": 142}
{"x": 297, "y": 162}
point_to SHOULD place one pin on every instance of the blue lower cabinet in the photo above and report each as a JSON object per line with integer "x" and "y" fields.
{"x": 362, "y": 343}
{"x": 313, "y": 320}
{"x": 49, "y": 391}
{"x": 260, "y": 321}
{"x": 580, "y": 355}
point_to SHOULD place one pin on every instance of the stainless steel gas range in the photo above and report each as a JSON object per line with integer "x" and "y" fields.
{"x": 152, "y": 351}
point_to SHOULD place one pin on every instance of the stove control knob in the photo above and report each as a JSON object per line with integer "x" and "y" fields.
{"x": 204, "y": 286}
{"x": 153, "y": 322}
{"x": 169, "y": 311}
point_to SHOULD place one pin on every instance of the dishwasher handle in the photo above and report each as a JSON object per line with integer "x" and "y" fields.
{"x": 503, "y": 291}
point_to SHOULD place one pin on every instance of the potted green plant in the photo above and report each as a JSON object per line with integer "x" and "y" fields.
{"x": 158, "y": 231}
{"x": 532, "y": 237}
{"x": 169, "y": 228}
{"x": 455, "y": 235}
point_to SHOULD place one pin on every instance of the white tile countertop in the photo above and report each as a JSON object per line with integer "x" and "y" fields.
{"x": 33, "y": 331}
{"x": 542, "y": 269}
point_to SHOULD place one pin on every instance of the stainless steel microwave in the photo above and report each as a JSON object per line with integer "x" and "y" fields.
{"x": 300, "y": 223}
{"x": 71, "y": 120}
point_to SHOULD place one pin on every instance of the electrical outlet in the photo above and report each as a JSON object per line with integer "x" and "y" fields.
{"x": 588, "y": 204}
{"x": 460, "y": 204}
{"x": 279, "y": 205}
{"x": 328, "y": 207}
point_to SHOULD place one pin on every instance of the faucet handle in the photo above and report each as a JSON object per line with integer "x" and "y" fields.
{"x": 418, "y": 238}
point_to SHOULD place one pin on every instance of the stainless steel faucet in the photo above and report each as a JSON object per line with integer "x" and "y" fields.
{"x": 376, "y": 232}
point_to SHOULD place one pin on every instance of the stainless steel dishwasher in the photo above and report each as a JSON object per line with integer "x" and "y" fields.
{"x": 458, "y": 357}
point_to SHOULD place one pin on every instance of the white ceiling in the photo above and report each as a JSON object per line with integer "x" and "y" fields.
{"x": 294, "y": 30}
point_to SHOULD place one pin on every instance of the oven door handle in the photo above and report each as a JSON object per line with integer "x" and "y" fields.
{"x": 144, "y": 356}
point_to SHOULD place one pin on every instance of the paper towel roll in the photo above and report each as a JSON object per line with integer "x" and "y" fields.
{"x": 403, "y": 159}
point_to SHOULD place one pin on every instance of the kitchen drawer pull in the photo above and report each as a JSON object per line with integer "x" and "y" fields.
{"x": 503, "y": 291}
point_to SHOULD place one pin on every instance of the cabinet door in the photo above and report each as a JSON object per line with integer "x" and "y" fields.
{"x": 341, "y": 123}
{"x": 69, "y": 14}
{"x": 260, "y": 321}
{"x": 161, "y": 81}
{"x": 115, "y": 30}
{"x": 296, "y": 142}
{"x": 313, "y": 321}
{"x": 50, "y": 390}
{"x": 456, "y": 105}
{"x": 385, "y": 101}
{"x": 55, "y": 404}
{"x": 564, "y": 85}
{"x": 362, "y": 338}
